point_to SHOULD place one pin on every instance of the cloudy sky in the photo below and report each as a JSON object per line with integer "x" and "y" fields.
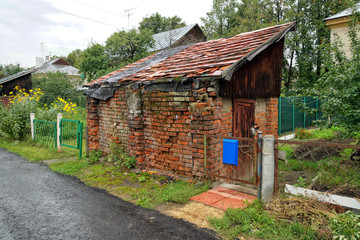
{"x": 32, "y": 28}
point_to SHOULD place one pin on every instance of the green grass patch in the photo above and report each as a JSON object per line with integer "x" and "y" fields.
{"x": 145, "y": 189}
{"x": 255, "y": 222}
{"x": 69, "y": 167}
{"x": 34, "y": 152}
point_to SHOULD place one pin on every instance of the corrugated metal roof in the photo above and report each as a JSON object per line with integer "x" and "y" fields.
{"x": 16, "y": 75}
{"x": 58, "y": 64}
{"x": 166, "y": 39}
{"x": 345, "y": 13}
{"x": 213, "y": 58}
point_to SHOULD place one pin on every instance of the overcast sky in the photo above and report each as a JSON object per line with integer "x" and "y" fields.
{"x": 65, "y": 25}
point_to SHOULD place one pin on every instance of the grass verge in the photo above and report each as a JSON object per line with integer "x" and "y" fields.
{"x": 36, "y": 152}
{"x": 146, "y": 189}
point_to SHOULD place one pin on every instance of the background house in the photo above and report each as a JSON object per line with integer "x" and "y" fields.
{"x": 162, "y": 107}
{"x": 177, "y": 37}
{"x": 339, "y": 26}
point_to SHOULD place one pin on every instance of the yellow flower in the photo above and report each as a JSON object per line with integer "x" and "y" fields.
{"x": 30, "y": 90}
{"x": 10, "y": 93}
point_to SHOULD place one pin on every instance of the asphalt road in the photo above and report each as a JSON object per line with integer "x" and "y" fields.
{"x": 36, "y": 203}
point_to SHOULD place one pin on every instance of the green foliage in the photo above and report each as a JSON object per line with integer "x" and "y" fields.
{"x": 301, "y": 133}
{"x": 56, "y": 85}
{"x": 15, "y": 118}
{"x": 254, "y": 221}
{"x": 346, "y": 226}
{"x": 339, "y": 87}
{"x": 128, "y": 46}
{"x": 93, "y": 59}
{"x": 74, "y": 58}
{"x": 157, "y": 23}
{"x": 10, "y": 69}
{"x": 120, "y": 157}
{"x": 94, "y": 157}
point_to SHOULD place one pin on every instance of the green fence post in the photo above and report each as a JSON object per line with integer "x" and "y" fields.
{"x": 293, "y": 113}
{"x": 80, "y": 140}
{"x": 304, "y": 112}
{"x": 317, "y": 109}
{"x": 279, "y": 112}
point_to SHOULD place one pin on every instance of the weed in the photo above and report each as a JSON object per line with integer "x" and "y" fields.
{"x": 254, "y": 221}
{"x": 119, "y": 156}
{"x": 94, "y": 156}
{"x": 301, "y": 182}
{"x": 301, "y": 133}
{"x": 346, "y": 226}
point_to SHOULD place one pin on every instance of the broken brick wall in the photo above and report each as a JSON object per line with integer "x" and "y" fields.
{"x": 168, "y": 130}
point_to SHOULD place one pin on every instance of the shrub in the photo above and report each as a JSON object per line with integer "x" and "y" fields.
{"x": 15, "y": 118}
{"x": 301, "y": 133}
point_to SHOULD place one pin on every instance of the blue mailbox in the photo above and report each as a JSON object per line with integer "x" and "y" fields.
{"x": 230, "y": 151}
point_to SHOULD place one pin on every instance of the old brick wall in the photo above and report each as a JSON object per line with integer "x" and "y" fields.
{"x": 266, "y": 115}
{"x": 167, "y": 130}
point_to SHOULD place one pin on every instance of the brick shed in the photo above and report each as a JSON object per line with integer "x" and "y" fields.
{"x": 160, "y": 107}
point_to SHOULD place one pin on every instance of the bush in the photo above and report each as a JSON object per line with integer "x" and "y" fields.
{"x": 301, "y": 133}
{"x": 15, "y": 118}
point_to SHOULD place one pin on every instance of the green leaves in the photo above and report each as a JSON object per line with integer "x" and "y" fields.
{"x": 157, "y": 23}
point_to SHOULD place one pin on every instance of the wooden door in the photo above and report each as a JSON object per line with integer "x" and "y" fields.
{"x": 243, "y": 121}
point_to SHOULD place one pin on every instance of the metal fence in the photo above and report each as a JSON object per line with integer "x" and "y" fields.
{"x": 292, "y": 114}
{"x": 45, "y": 132}
{"x": 322, "y": 166}
{"x": 71, "y": 134}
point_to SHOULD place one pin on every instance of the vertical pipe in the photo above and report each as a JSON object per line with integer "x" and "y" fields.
{"x": 59, "y": 129}
{"x": 80, "y": 139}
{"x": 259, "y": 162}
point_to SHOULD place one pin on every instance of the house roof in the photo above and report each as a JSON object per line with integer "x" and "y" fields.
{"x": 58, "y": 64}
{"x": 17, "y": 75}
{"x": 166, "y": 39}
{"x": 344, "y": 13}
{"x": 219, "y": 58}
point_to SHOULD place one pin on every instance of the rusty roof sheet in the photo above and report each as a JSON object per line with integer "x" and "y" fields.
{"x": 218, "y": 57}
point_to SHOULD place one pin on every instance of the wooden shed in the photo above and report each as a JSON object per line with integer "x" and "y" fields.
{"x": 172, "y": 109}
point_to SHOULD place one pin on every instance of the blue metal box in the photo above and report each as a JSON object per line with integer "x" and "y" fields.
{"x": 230, "y": 151}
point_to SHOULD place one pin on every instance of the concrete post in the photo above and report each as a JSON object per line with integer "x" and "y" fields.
{"x": 32, "y": 118}
{"x": 59, "y": 117}
{"x": 268, "y": 168}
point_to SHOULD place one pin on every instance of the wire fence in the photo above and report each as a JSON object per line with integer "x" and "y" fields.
{"x": 45, "y": 133}
{"x": 292, "y": 114}
{"x": 327, "y": 167}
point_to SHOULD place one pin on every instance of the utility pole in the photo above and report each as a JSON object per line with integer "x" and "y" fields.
{"x": 128, "y": 15}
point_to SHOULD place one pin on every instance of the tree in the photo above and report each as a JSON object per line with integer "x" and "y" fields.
{"x": 221, "y": 20}
{"x": 93, "y": 60}
{"x": 339, "y": 86}
{"x": 157, "y": 23}
{"x": 55, "y": 85}
{"x": 74, "y": 58}
{"x": 10, "y": 69}
{"x": 125, "y": 47}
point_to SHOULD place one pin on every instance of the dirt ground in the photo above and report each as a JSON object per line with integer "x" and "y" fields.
{"x": 196, "y": 213}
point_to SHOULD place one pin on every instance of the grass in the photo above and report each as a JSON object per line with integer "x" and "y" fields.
{"x": 145, "y": 189}
{"x": 35, "y": 152}
{"x": 254, "y": 222}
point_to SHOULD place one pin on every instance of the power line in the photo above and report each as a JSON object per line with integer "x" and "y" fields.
{"x": 72, "y": 14}
{"x": 101, "y": 9}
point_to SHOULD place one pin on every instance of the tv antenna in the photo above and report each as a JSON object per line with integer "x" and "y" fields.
{"x": 127, "y": 11}
{"x": 42, "y": 49}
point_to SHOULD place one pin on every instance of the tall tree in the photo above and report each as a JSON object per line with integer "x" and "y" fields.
{"x": 74, "y": 58}
{"x": 128, "y": 46}
{"x": 221, "y": 20}
{"x": 93, "y": 60}
{"x": 157, "y": 23}
{"x": 10, "y": 69}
